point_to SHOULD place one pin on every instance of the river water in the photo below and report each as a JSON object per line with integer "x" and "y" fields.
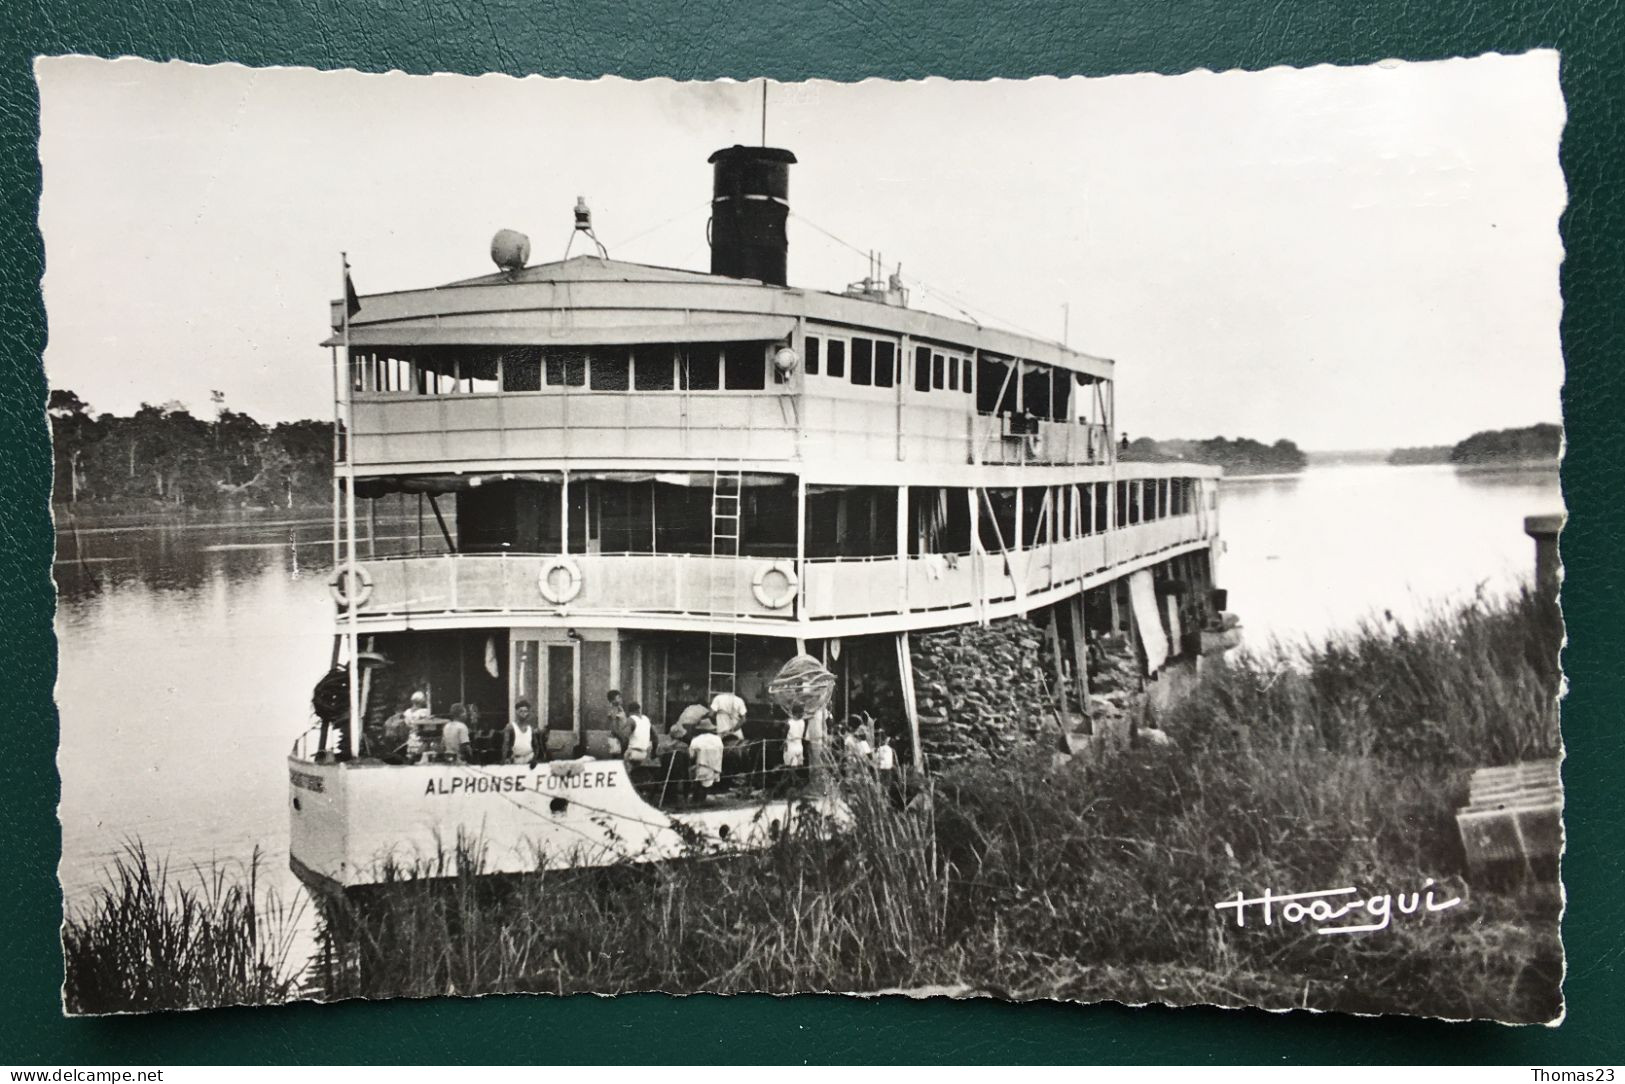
{"x": 188, "y": 650}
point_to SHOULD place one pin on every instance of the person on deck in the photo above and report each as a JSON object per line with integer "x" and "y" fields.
{"x": 521, "y": 739}
{"x": 729, "y": 712}
{"x": 857, "y": 739}
{"x": 688, "y": 721}
{"x": 640, "y": 734}
{"x": 615, "y": 718}
{"x": 454, "y": 740}
{"x": 705, "y": 754}
{"x": 795, "y": 750}
{"x": 397, "y": 736}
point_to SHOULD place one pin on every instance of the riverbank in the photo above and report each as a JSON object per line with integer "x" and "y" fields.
{"x": 1341, "y": 766}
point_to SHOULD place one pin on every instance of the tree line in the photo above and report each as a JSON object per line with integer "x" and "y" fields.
{"x": 165, "y": 456}
{"x": 1531, "y": 444}
{"x": 1240, "y": 456}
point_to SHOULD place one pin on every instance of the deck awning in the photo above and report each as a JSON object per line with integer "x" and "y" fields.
{"x": 447, "y": 483}
{"x": 732, "y": 329}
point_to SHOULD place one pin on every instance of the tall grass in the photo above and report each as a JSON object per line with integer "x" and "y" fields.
{"x": 1319, "y": 767}
{"x": 816, "y": 910}
{"x": 149, "y": 942}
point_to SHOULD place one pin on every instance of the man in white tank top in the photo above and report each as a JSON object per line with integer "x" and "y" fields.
{"x": 521, "y": 741}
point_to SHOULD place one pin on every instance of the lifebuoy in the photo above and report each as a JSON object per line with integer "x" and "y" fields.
{"x": 557, "y": 595}
{"x": 336, "y": 584}
{"x": 776, "y": 599}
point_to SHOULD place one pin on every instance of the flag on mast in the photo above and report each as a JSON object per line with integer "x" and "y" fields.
{"x": 352, "y": 303}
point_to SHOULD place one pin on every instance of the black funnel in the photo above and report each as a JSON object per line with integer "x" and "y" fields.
{"x": 750, "y": 202}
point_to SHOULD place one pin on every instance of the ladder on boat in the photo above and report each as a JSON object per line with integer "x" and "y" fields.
{"x": 723, "y": 651}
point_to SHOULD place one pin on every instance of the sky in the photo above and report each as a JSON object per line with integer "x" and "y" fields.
{"x": 1345, "y": 257}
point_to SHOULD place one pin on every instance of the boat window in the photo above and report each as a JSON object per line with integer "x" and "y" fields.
{"x": 938, "y": 520}
{"x": 1136, "y": 497}
{"x": 506, "y": 517}
{"x": 1037, "y": 383}
{"x": 885, "y": 364}
{"x": 652, "y": 367}
{"x": 836, "y": 361}
{"x": 922, "y": 368}
{"x": 995, "y": 386}
{"x": 964, "y": 374}
{"x": 567, "y": 366}
{"x": 863, "y": 361}
{"x": 1062, "y": 403}
{"x": 522, "y": 369}
{"x": 998, "y": 526}
{"x": 608, "y": 367}
{"x": 851, "y": 521}
{"x": 1102, "y": 508}
{"x": 1036, "y": 518}
{"x": 1162, "y": 499}
{"x": 938, "y": 372}
{"x": 477, "y": 372}
{"x": 768, "y": 516}
{"x": 812, "y": 355}
{"x": 1121, "y": 518}
{"x": 953, "y": 373}
{"x": 746, "y": 368}
{"x": 702, "y": 367}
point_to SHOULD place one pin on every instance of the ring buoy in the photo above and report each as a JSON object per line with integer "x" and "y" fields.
{"x": 559, "y": 595}
{"x": 336, "y": 584}
{"x": 776, "y": 598}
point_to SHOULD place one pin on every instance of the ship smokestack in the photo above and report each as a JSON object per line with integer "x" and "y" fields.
{"x": 750, "y": 202}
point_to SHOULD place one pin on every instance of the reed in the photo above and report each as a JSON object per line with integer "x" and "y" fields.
{"x": 147, "y": 941}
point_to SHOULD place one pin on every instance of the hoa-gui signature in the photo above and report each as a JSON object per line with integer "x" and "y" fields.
{"x": 1363, "y": 914}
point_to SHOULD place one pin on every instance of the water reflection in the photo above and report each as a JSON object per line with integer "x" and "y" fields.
{"x": 1310, "y": 554}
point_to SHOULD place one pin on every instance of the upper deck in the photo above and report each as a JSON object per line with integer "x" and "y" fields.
{"x": 603, "y": 362}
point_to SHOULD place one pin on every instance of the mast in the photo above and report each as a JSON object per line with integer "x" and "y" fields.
{"x": 350, "y": 580}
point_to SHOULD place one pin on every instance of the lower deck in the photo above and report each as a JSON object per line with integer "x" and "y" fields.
{"x": 406, "y": 802}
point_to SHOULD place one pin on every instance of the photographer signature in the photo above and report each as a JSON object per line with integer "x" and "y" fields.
{"x": 1366, "y": 915}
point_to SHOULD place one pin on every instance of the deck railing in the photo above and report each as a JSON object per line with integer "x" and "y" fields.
{"x": 401, "y": 430}
{"x": 747, "y": 587}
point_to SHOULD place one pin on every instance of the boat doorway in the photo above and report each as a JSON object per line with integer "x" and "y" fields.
{"x": 546, "y": 672}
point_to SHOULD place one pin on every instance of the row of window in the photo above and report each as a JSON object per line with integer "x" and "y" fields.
{"x": 734, "y": 366}
{"x": 866, "y": 362}
{"x": 940, "y": 517}
{"x": 1001, "y": 385}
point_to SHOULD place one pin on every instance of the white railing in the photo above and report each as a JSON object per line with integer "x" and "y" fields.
{"x": 608, "y": 584}
{"x": 697, "y": 585}
{"x": 758, "y": 426}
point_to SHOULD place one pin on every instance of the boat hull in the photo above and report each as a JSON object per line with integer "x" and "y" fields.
{"x": 365, "y": 823}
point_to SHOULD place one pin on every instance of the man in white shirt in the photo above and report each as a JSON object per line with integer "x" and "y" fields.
{"x": 729, "y": 712}
{"x": 705, "y": 755}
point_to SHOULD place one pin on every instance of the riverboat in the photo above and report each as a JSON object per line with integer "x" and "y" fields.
{"x": 565, "y": 478}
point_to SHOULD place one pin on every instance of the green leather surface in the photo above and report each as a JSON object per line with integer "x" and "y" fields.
{"x": 708, "y": 38}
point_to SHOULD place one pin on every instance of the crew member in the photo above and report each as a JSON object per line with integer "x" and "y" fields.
{"x": 705, "y": 754}
{"x": 521, "y": 741}
{"x": 640, "y": 734}
{"x": 454, "y": 741}
{"x": 729, "y": 711}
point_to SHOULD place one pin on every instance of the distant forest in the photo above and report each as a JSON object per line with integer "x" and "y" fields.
{"x": 1239, "y": 456}
{"x": 165, "y": 457}
{"x": 1531, "y": 444}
